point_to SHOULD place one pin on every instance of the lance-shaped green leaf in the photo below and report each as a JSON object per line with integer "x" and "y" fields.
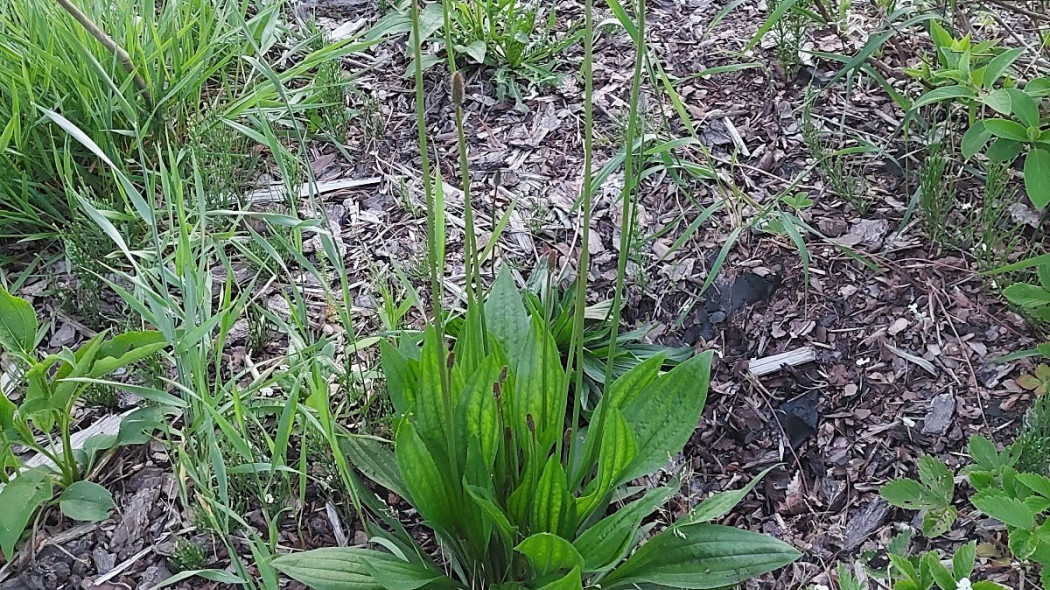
{"x": 538, "y": 390}
{"x": 477, "y": 412}
{"x": 332, "y": 568}
{"x": 1037, "y": 177}
{"x": 124, "y": 349}
{"x": 401, "y": 375}
{"x": 718, "y": 505}
{"x": 570, "y": 581}
{"x": 18, "y": 324}
{"x": 553, "y": 509}
{"x": 611, "y": 538}
{"x": 396, "y": 574}
{"x": 431, "y": 411}
{"x": 701, "y": 556}
{"x": 86, "y": 500}
{"x": 550, "y": 553}
{"x": 505, "y": 315}
{"x": 20, "y": 499}
{"x": 663, "y": 416}
{"x": 617, "y": 451}
{"x": 374, "y": 458}
{"x": 427, "y": 488}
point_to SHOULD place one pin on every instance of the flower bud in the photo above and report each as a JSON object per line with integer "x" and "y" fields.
{"x": 458, "y": 85}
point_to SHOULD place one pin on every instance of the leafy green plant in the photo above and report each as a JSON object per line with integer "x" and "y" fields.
{"x": 546, "y": 300}
{"x": 1020, "y": 500}
{"x": 516, "y": 38}
{"x": 926, "y": 571}
{"x": 516, "y": 498}
{"x": 978, "y": 78}
{"x": 490, "y": 447}
{"x": 53, "y": 385}
{"x": 932, "y": 493}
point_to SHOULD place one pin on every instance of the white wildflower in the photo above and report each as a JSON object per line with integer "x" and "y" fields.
{"x": 963, "y": 584}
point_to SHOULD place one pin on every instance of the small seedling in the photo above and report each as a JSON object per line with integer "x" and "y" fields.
{"x": 932, "y": 493}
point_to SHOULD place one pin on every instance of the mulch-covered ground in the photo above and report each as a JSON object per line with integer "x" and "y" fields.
{"x": 904, "y": 345}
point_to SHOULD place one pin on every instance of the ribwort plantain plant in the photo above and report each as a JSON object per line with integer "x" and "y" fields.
{"x": 517, "y": 491}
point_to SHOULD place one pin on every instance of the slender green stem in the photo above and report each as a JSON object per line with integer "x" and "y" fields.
{"x": 630, "y": 185}
{"x": 424, "y": 157}
{"x": 585, "y": 232}
{"x": 450, "y": 51}
{"x": 432, "y": 236}
{"x": 471, "y": 261}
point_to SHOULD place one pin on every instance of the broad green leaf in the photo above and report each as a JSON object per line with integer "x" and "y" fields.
{"x": 432, "y": 412}
{"x": 423, "y": 479}
{"x": 124, "y": 349}
{"x": 376, "y": 459}
{"x": 479, "y": 413}
{"x": 1027, "y": 295}
{"x": 1037, "y": 177}
{"x": 505, "y": 315}
{"x": 942, "y": 93}
{"x": 18, "y": 324}
{"x": 486, "y": 500}
{"x": 999, "y": 100}
{"x": 904, "y": 493}
{"x": 627, "y": 387}
{"x": 701, "y": 556}
{"x": 1006, "y": 129}
{"x": 1024, "y": 107}
{"x": 86, "y": 500}
{"x": 1010, "y": 511}
{"x": 552, "y": 503}
{"x": 396, "y": 574}
{"x": 1004, "y": 150}
{"x": 937, "y": 478}
{"x": 570, "y": 581}
{"x": 550, "y": 553}
{"x": 1039, "y": 484}
{"x": 989, "y": 585}
{"x": 963, "y": 560}
{"x": 974, "y": 140}
{"x": 538, "y": 390}
{"x": 622, "y": 391}
{"x": 617, "y": 451}
{"x": 401, "y": 377}
{"x": 476, "y": 51}
{"x": 998, "y": 66}
{"x": 469, "y": 348}
{"x": 937, "y": 520}
{"x": 665, "y": 414}
{"x": 331, "y": 568}
{"x": 940, "y": 574}
{"x": 983, "y": 451}
{"x": 20, "y": 498}
{"x": 904, "y": 566}
{"x": 611, "y": 538}
{"x": 1022, "y": 543}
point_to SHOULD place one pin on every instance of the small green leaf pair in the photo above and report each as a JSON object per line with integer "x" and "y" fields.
{"x": 922, "y": 573}
{"x": 52, "y": 387}
{"x": 514, "y": 494}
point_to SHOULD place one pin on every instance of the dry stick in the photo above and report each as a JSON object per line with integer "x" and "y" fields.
{"x": 1019, "y": 10}
{"x": 122, "y": 56}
